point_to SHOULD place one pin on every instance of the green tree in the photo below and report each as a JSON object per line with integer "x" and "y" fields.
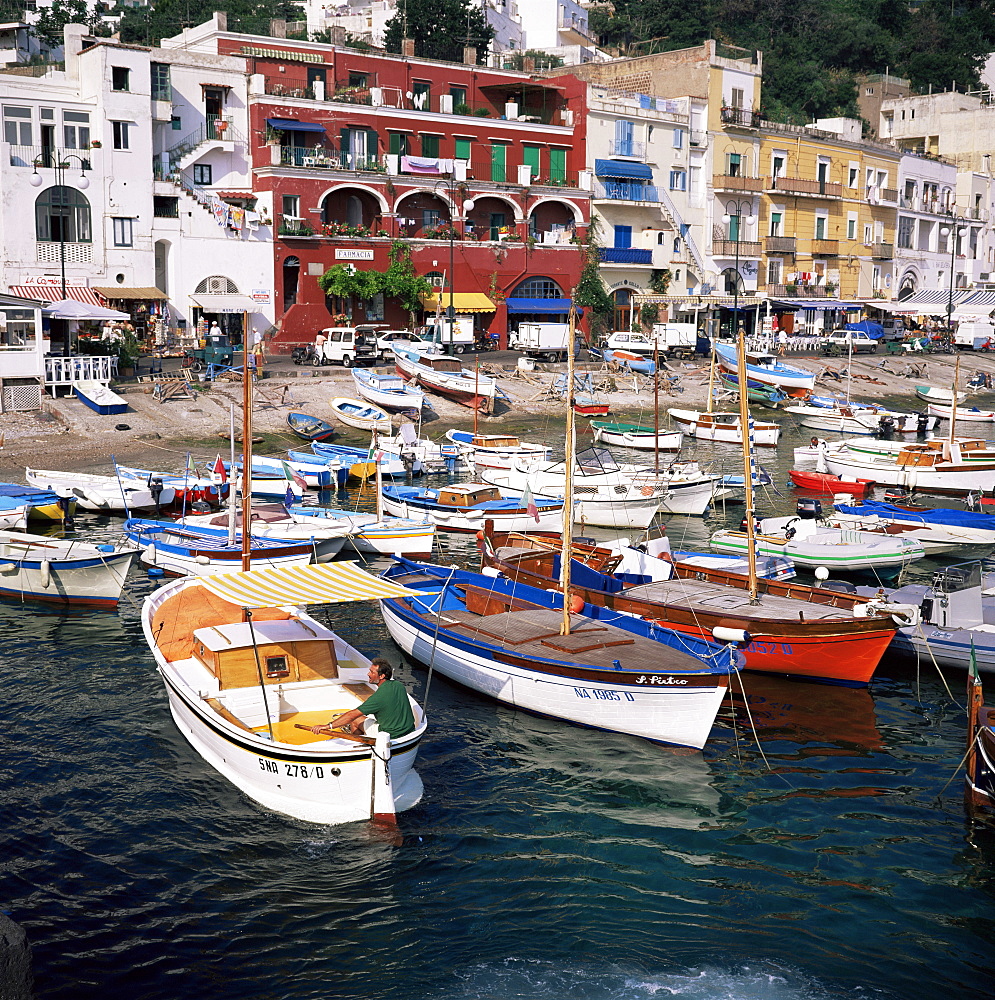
{"x": 440, "y": 29}
{"x": 53, "y": 19}
{"x": 149, "y": 25}
{"x": 590, "y": 293}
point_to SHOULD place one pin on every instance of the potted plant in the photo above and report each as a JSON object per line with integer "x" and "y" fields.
{"x": 129, "y": 350}
{"x": 95, "y": 144}
{"x": 830, "y": 287}
{"x": 791, "y": 289}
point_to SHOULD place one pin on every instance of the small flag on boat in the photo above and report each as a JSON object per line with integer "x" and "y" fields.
{"x": 191, "y": 468}
{"x": 293, "y": 476}
{"x": 219, "y": 469}
{"x": 528, "y": 502}
{"x": 288, "y": 498}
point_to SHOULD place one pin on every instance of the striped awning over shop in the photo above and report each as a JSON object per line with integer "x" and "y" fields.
{"x": 53, "y": 293}
{"x": 327, "y": 583}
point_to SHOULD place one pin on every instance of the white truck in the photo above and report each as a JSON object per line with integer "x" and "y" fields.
{"x": 438, "y": 333}
{"x": 544, "y": 341}
{"x": 974, "y": 333}
{"x": 675, "y": 338}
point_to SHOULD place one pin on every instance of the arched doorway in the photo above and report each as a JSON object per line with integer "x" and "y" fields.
{"x": 230, "y": 321}
{"x": 350, "y": 207}
{"x": 291, "y": 279}
{"x": 907, "y": 288}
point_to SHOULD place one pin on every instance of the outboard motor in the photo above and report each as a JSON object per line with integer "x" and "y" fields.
{"x": 155, "y": 488}
{"x": 200, "y": 507}
{"x": 809, "y": 508}
{"x": 886, "y": 425}
{"x": 897, "y": 494}
{"x": 922, "y": 424}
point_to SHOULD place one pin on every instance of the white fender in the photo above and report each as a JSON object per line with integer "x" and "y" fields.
{"x": 46, "y": 573}
{"x": 95, "y": 499}
{"x": 382, "y": 805}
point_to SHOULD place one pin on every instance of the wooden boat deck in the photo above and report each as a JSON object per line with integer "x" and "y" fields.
{"x": 536, "y": 634}
{"x": 712, "y": 597}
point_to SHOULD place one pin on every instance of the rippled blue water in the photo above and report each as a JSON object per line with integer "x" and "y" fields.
{"x": 544, "y": 863}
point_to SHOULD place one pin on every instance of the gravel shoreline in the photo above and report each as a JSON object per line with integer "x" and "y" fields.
{"x": 68, "y": 436}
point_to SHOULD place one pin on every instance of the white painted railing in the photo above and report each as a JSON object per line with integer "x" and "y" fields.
{"x": 66, "y": 371}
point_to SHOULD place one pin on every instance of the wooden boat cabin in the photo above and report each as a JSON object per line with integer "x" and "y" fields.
{"x": 468, "y": 495}
{"x": 494, "y": 441}
{"x": 439, "y": 364}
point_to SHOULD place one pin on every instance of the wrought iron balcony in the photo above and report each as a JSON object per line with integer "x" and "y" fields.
{"x": 729, "y": 248}
{"x": 883, "y": 251}
{"x": 780, "y": 244}
{"x": 736, "y": 182}
{"x": 807, "y": 186}
{"x": 826, "y": 248}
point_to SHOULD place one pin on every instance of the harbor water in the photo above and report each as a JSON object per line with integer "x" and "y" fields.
{"x": 817, "y": 848}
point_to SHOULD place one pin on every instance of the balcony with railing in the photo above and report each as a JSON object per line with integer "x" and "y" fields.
{"x": 630, "y": 191}
{"x": 826, "y": 248}
{"x": 889, "y": 195}
{"x": 780, "y": 244}
{"x": 737, "y": 182}
{"x": 883, "y": 251}
{"x": 728, "y": 248}
{"x": 797, "y": 291}
{"x": 46, "y": 156}
{"x": 625, "y": 255}
{"x": 292, "y": 226}
{"x": 743, "y": 117}
{"x": 329, "y": 158}
{"x": 627, "y": 147}
{"x": 697, "y": 138}
{"x": 806, "y": 186}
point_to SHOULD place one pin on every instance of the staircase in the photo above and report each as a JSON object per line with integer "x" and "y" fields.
{"x": 215, "y": 129}
{"x": 689, "y": 250}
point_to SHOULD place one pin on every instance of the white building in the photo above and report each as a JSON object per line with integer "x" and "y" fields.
{"x": 79, "y": 206}
{"x": 559, "y": 27}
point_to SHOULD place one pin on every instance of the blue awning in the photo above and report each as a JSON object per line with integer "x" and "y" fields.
{"x": 293, "y": 125}
{"x": 539, "y": 306}
{"x": 621, "y": 168}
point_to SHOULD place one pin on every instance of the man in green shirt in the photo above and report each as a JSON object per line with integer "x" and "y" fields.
{"x": 388, "y": 704}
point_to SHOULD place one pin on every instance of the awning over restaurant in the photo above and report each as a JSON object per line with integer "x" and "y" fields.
{"x": 53, "y": 293}
{"x": 224, "y": 303}
{"x": 147, "y": 294}
{"x": 293, "y": 125}
{"x": 463, "y": 302}
{"x": 555, "y": 306}
{"x": 822, "y": 305}
{"x": 623, "y": 168}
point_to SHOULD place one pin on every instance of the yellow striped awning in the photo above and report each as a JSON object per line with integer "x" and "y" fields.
{"x": 326, "y": 583}
{"x": 463, "y": 302}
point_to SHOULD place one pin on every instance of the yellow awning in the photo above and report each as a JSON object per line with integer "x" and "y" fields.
{"x": 118, "y": 292}
{"x": 463, "y": 302}
{"x": 327, "y": 583}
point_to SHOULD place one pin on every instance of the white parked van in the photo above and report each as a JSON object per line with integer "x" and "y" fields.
{"x": 545, "y": 341}
{"x": 974, "y": 333}
{"x": 347, "y": 345}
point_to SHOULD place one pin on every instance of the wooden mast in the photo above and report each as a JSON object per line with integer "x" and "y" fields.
{"x": 656, "y": 406}
{"x": 953, "y": 408}
{"x": 246, "y": 459}
{"x": 711, "y": 377}
{"x": 744, "y": 430}
{"x": 568, "y": 484}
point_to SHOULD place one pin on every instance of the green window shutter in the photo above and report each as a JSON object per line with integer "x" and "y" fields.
{"x": 344, "y": 140}
{"x": 530, "y": 155}
{"x": 430, "y": 146}
{"x": 372, "y": 147}
{"x": 558, "y": 165}
{"x": 398, "y": 144}
{"x": 463, "y": 149}
{"x": 498, "y": 155}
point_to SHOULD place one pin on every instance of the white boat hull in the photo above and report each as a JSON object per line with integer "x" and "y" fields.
{"x": 474, "y": 520}
{"x": 962, "y": 479}
{"x": 688, "y": 421}
{"x": 662, "y": 440}
{"x": 964, "y": 415}
{"x": 664, "y": 714}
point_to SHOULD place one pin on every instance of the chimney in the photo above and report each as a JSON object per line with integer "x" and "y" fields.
{"x": 408, "y": 47}
{"x": 221, "y": 20}
{"x": 72, "y": 40}
{"x": 470, "y": 55}
{"x": 336, "y": 34}
{"x": 278, "y": 28}
{"x": 528, "y": 64}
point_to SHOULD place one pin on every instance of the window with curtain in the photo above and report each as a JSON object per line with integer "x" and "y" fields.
{"x": 624, "y": 135}
{"x": 905, "y": 227}
{"x": 62, "y": 214}
{"x": 123, "y": 232}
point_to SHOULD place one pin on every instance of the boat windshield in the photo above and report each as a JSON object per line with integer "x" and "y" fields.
{"x": 952, "y": 579}
{"x": 598, "y": 459}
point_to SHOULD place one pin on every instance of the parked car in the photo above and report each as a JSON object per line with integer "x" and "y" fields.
{"x": 840, "y": 341}
{"x": 347, "y": 345}
{"x": 386, "y": 339}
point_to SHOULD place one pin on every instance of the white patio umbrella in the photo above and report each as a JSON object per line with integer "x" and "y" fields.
{"x": 71, "y": 309}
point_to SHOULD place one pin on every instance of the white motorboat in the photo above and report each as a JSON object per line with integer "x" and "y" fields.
{"x": 375, "y": 536}
{"x": 636, "y": 436}
{"x": 723, "y": 427}
{"x": 66, "y": 571}
{"x": 844, "y": 418}
{"x": 767, "y": 368}
{"x": 968, "y": 414}
{"x": 359, "y": 414}
{"x": 387, "y": 390}
{"x": 494, "y": 451}
{"x": 102, "y": 494}
{"x": 932, "y": 467}
{"x": 446, "y": 376}
{"x": 938, "y": 394}
{"x": 272, "y": 522}
{"x": 247, "y": 672}
{"x": 468, "y": 506}
{"x": 806, "y": 542}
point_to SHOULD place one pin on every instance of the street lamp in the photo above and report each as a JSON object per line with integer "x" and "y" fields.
{"x": 953, "y": 235}
{"x": 727, "y": 218}
{"x": 452, "y": 185}
{"x": 59, "y": 164}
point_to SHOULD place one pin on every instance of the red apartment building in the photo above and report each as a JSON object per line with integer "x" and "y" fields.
{"x": 479, "y": 170}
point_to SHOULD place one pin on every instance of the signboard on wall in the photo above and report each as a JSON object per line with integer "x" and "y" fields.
{"x": 261, "y": 296}
{"x": 350, "y": 254}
